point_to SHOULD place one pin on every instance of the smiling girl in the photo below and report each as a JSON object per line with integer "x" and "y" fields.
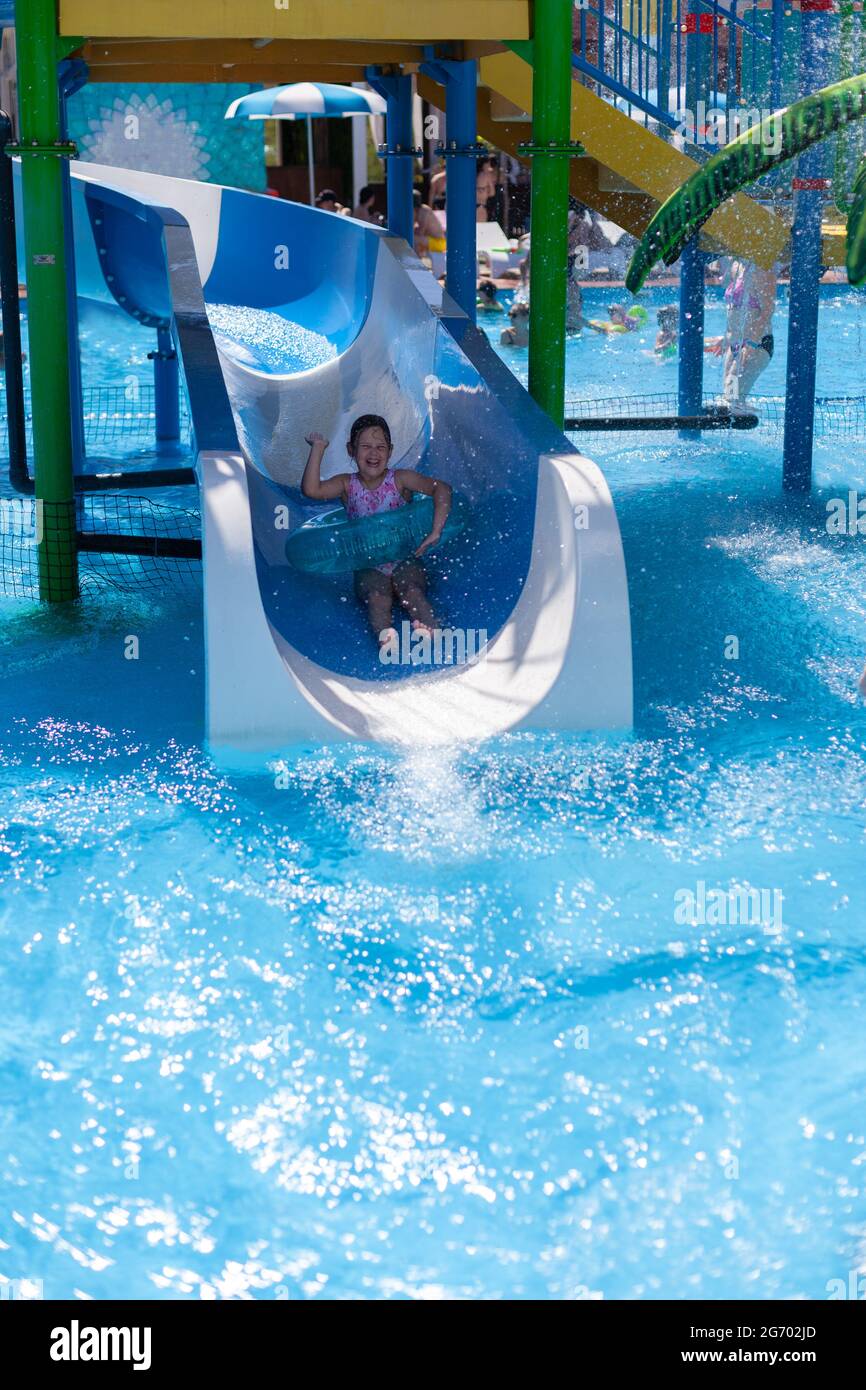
{"x": 377, "y": 488}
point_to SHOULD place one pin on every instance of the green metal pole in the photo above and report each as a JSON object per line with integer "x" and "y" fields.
{"x": 551, "y": 127}
{"x": 39, "y": 107}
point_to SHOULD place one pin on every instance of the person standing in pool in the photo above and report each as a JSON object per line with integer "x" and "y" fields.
{"x": 377, "y": 488}
{"x": 517, "y": 333}
{"x": 747, "y": 342}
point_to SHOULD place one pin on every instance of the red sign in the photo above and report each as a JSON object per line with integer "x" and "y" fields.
{"x": 810, "y": 185}
{"x": 699, "y": 23}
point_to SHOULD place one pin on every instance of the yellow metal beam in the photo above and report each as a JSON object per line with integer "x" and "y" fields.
{"x": 644, "y": 160}
{"x": 143, "y": 74}
{"x": 305, "y": 52}
{"x": 301, "y": 19}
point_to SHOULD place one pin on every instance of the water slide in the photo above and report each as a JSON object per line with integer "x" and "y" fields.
{"x": 288, "y": 319}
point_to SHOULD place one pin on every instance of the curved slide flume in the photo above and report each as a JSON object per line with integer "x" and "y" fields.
{"x": 288, "y": 319}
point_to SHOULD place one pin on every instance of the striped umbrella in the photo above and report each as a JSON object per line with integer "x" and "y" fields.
{"x": 304, "y": 100}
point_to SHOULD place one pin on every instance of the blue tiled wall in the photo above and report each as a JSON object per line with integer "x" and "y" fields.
{"x": 170, "y": 128}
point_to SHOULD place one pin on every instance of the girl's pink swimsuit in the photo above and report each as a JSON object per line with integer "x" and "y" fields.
{"x": 366, "y": 501}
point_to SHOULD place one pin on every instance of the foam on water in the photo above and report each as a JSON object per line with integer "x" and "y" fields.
{"x": 267, "y": 340}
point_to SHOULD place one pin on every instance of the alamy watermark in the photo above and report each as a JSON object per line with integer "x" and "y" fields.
{"x": 77, "y": 1343}
{"x": 846, "y": 516}
{"x": 443, "y": 646}
{"x": 717, "y": 126}
{"x": 853, "y": 1288}
{"x": 734, "y": 906}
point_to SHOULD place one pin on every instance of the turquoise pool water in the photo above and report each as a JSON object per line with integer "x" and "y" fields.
{"x": 355, "y": 1025}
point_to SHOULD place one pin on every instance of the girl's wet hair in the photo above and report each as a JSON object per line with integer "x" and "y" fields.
{"x": 667, "y": 314}
{"x": 367, "y": 422}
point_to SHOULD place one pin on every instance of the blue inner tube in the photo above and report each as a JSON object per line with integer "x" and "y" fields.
{"x": 334, "y": 544}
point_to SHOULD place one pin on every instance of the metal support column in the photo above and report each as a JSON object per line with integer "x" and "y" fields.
{"x": 551, "y": 149}
{"x": 459, "y": 149}
{"x": 398, "y": 151}
{"x": 166, "y": 392}
{"x": 691, "y": 332}
{"x": 42, "y": 150}
{"x": 72, "y": 76}
{"x": 691, "y": 329}
{"x": 12, "y": 358}
{"x": 816, "y": 53}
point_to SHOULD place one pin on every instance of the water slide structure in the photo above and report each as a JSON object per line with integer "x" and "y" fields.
{"x": 288, "y": 319}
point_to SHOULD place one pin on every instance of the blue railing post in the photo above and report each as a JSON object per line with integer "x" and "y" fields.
{"x": 809, "y": 182}
{"x": 691, "y": 334}
{"x": 166, "y": 392}
{"x": 13, "y": 369}
{"x": 399, "y": 151}
{"x": 691, "y": 331}
{"x": 777, "y": 53}
{"x": 694, "y": 83}
{"x": 664, "y": 40}
{"x": 460, "y": 82}
{"x": 72, "y": 76}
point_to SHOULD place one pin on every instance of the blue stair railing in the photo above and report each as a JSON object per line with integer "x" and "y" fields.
{"x": 635, "y": 52}
{"x": 701, "y": 70}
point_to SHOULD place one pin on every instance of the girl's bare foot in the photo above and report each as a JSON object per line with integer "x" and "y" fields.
{"x": 388, "y": 634}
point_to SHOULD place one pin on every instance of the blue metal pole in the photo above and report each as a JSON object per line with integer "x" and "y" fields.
{"x": 166, "y": 392}
{"x": 13, "y": 368}
{"x": 459, "y": 81}
{"x": 664, "y": 38}
{"x": 399, "y": 151}
{"x": 777, "y": 53}
{"x": 691, "y": 330}
{"x": 809, "y": 182}
{"x": 691, "y": 333}
{"x": 72, "y": 77}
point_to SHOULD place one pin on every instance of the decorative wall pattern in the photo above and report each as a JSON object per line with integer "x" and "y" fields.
{"x": 170, "y": 128}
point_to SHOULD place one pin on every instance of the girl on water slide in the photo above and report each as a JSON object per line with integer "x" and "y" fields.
{"x": 374, "y": 488}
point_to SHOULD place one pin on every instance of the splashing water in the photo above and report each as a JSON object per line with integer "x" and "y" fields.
{"x": 358, "y": 1025}
{"x": 265, "y": 339}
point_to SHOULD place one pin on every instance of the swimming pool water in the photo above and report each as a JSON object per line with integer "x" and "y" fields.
{"x": 357, "y": 1025}
{"x": 626, "y": 365}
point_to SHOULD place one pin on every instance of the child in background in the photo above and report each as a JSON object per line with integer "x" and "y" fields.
{"x": 574, "y": 320}
{"x": 668, "y": 319}
{"x": 517, "y": 335}
{"x": 485, "y": 298}
{"x": 620, "y": 321}
{"x": 377, "y": 488}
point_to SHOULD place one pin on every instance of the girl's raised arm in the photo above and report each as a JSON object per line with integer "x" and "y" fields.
{"x": 312, "y": 484}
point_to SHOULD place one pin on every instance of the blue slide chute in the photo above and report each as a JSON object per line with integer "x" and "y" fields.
{"x": 288, "y": 319}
